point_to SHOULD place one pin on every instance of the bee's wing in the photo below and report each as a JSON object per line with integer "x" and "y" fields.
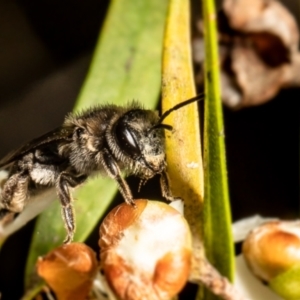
{"x": 58, "y": 134}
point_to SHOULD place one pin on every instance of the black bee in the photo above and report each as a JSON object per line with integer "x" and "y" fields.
{"x": 107, "y": 138}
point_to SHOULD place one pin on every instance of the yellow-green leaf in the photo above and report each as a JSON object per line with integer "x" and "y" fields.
{"x": 183, "y": 146}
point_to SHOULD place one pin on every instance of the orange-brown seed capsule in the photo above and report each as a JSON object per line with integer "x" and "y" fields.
{"x": 145, "y": 251}
{"x": 273, "y": 248}
{"x": 69, "y": 270}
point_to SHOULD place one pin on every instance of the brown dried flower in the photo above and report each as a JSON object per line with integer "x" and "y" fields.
{"x": 258, "y": 51}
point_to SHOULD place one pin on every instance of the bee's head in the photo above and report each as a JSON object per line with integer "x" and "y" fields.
{"x": 137, "y": 139}
{"x": 140, "y": 143}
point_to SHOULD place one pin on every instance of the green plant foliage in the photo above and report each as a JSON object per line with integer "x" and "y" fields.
{"x": 217, "y": 217}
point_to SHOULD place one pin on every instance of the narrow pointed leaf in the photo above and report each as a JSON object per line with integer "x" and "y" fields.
{"x": 217, "y": 218}
{"x": 126, "y": 66}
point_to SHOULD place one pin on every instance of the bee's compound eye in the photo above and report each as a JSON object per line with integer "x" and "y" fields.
{"x": 78, "y": 132}
{"x": 126, "y": 139}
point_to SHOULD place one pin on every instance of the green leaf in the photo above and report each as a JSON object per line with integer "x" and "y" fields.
{"x": 126, "y": 65}
{"x": 217, "y": 217}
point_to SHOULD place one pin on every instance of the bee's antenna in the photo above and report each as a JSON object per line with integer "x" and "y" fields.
{"x": 177, "y": 106}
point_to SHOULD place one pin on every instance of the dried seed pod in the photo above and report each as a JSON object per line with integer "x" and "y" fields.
{"x": 69, "y": 270}
{"x": 145, "y": 251}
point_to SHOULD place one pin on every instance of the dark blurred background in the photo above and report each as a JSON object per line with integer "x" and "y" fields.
{"x": 45, "y": 50}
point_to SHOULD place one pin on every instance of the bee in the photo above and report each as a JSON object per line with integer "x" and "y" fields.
{"x": 108, "y": 139}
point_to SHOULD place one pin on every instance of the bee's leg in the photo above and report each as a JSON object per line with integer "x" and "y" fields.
{"x": 66, "y": 181}
{"x": 14, "y": 193}
{"x": 165, "y": 188}
{"x": 6, "y": 216}
{"x": 112, "y": 169}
